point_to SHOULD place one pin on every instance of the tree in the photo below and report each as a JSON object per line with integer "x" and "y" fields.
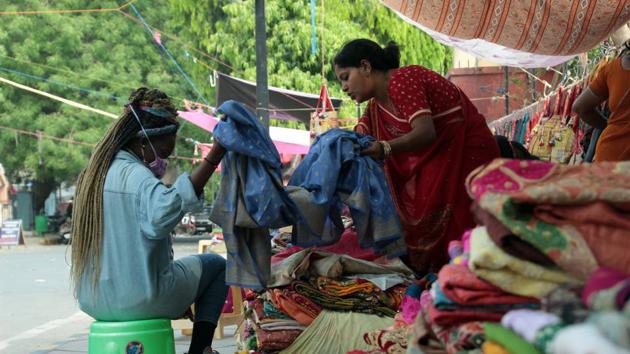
{"x": 104, "y": 54}
{"x": 226, "y": 30}
{"x": 99, "y": 58}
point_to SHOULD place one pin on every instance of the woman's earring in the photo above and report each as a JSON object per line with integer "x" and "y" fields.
{"x": 142, "y": 152}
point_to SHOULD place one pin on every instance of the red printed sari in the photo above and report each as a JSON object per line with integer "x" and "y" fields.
{"x": 428, "y": 185}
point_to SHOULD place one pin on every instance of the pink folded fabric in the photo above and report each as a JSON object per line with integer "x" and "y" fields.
{"x": 603, "y": 278}
{"x": 462, "y": 286}
{"x": 604, "y": 227}
{"x": 453, "y": 318}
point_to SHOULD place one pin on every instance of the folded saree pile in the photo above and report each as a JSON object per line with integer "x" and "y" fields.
{"x": 574, "y": 217}
{"x": 267, "y": 328}
{"x": 310, "y": 284}
{"x": 356, "y": 297}
{"x": 459, "y": 296}
{"x": 545, "y": 272}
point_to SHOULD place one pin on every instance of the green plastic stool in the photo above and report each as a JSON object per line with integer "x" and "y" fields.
{"x": 131, "y": 337}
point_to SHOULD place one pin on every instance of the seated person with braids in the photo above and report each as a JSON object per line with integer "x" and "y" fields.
{"x": 123, "y": 216}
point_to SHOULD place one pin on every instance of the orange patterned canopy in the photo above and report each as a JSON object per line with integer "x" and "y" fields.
{"x": 558, "y": 27}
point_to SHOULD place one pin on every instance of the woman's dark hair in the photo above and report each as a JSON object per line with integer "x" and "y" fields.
{"x": 153, "y": 107}
{"x": 382, "y": 59}
{"x": 513, "y": 149}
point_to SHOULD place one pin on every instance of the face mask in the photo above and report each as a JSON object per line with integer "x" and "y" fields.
{"x": 158, "y": 165}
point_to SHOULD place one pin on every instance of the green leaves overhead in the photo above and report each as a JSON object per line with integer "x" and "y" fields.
{"x": 99, "y": 58}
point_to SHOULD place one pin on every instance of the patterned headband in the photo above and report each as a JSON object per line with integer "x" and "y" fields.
{"x": 158, "y": 112}
{"x": 158, "y": 131}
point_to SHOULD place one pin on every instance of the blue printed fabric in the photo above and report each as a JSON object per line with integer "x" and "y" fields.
{"x": 333, "y": 173}
{"x": 252, "y": 199}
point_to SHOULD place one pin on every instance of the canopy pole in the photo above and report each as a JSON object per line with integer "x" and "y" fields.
{"x": 506, "y": 70}
{"x": 262, "y": 88}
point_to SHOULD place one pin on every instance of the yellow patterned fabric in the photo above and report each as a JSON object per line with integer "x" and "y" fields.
{"x": 490, "y": 347}
{"x": 552, "y": 140}
{"x": 563, "y": 143}
{"x": 514, "y": 275}
{"x": 541, "y": 137}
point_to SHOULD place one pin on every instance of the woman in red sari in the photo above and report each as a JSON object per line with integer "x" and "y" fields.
{"x": 430, "y": 136}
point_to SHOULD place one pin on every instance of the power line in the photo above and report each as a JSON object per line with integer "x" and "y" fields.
{"x": 57, "y": 98}
{"x": 190, "y": 47}
{"x": 182, "y": 42}
{"x": 79, "y": 75}
{"x": 179, "y": 68}
{"x": 66, "y": 71}
{"x": 39, "y": 78}
{"x": 48, "y": 12}
{"x": 41, "y": 135}
{"x": 150, "y": 29}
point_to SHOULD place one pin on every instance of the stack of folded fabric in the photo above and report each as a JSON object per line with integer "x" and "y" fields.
{"x": 267, "y": 328}
{"x": 309, "y": 284}
{"x": 355, "y": 295}
{"x": 295, "y": 305}
{"x": 568, "y": 325}
{"x": 395, "y": 339}
{"x": 575, "y": 217}
{"x": 459, "y": 296}
{"x": 547, "y": 230}
{"x": 514, "y": 284}
{"x": 454, "y": 310}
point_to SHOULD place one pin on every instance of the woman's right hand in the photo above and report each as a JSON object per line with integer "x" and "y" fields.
{"x": 374, "y": 150}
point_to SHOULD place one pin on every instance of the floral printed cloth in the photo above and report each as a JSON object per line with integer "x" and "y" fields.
{"x": 509, "y": 273}
{"x": 513, "y": 190}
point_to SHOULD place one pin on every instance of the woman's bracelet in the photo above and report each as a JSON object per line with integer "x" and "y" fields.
{"x": 387, "y": 149}
{"x": 215, "y": 164}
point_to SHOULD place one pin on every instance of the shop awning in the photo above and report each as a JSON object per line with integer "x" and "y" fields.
{"x": 287, "y": 141}
{"x": 534, "y": 33}
{"x": 283, "y": 104}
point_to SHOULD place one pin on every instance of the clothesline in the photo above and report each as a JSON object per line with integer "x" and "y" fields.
{"x": 48, "y": 12}
{"x": 60, "y": 99}
{"x": 544, "y": 82}
{"x": 518, "y": 114}
{"x": 502, "y": 97}
{"x": 57, "y": 98}
{"x": 41, "y": 135}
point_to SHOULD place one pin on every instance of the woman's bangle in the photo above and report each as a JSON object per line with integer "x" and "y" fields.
{"x": 387, "y": 149}
{"x": 215, "y": 164}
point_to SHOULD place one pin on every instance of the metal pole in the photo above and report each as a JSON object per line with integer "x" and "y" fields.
{"x": 532, "y": 86}
{"x": 262, "y": 88}
{"x": 507, "y": 89}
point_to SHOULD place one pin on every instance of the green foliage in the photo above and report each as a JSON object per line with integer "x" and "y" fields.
{"x": 102, "y": 52}
{"x": 226, "y": 29}
{"x": 110, "y": 55}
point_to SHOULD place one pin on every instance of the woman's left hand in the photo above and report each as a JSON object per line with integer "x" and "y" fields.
{"x": 375, "y": 151}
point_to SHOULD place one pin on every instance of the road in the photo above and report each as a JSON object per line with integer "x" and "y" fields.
{"x": 37, "y": 310}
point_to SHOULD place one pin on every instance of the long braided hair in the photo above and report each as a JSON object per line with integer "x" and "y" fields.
{"x": 87, "y": 217}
